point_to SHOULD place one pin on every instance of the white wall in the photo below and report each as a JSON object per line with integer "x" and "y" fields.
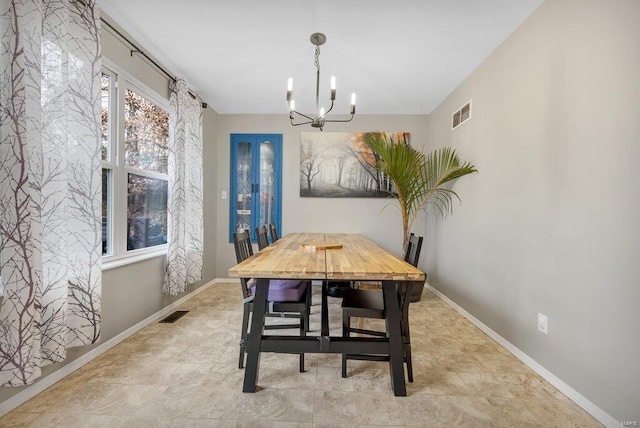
{"x": 365, "y": 215}
{"x": 551, "y": 222}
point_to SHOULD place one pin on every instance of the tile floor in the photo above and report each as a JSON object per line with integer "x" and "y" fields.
{"x": 185, "y": 375}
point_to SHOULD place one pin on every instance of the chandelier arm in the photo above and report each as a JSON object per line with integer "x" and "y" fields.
{"x": 301, "y": 123}
{"x": 330, "y": 108}
{"x": 301, "y": 114}
{"x": 340, "y": 120}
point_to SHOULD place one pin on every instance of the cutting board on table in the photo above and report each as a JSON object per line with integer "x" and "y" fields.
{"x": 320, "y": 245}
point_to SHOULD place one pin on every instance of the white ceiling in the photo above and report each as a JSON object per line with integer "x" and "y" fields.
{"x": 400, "y": 57}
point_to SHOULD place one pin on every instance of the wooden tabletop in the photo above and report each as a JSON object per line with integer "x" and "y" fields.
{"x": 358, "y": 259}
{"x": 284, "y": 259}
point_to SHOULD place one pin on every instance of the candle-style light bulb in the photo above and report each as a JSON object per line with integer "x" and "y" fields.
{"x": 290, "y": 89}
{"x": 292, "y": 107}
{"x": 353, "y": 103}
{"x": 333, "y": 88}
{"x": 321, "y": 111}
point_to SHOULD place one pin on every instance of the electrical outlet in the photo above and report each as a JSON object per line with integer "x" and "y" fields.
{"x": 223, "y": 194}
{"x": 542, "y": 323}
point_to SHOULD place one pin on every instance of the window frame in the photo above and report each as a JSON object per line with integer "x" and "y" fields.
{"x": 115, "y": 162}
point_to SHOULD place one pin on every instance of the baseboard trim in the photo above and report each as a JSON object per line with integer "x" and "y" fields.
{"x": 44, "y": 383}
{"x": 595, "y": 411}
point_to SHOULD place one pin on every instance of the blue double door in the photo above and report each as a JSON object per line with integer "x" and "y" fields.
{"x": 256, "y": 182}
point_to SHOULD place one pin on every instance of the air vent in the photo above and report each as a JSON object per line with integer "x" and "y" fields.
{"x": 461, "y": 115}
{"x": 174, "y": 316}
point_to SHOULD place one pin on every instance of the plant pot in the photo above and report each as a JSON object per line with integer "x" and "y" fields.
{"x": 337, "y": 288}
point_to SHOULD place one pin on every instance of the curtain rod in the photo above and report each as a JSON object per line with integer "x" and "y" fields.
{"x": 137, "y": 50}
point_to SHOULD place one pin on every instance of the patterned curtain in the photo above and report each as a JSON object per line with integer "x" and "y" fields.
{"x": 50, "y": 183}
{"x": 184, "y": 257}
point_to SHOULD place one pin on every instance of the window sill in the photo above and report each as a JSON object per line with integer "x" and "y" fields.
{"x": 111, "y": 262}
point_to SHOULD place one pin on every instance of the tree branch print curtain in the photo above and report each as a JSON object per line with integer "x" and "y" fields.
{"x": 184, "y": 257}
{"x": 50, "y": 183}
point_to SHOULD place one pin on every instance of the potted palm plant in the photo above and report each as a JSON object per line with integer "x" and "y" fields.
{"x": 418, "y": 179}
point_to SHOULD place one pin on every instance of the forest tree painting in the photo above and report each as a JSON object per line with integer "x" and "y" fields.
{"x": 341, "y": 165}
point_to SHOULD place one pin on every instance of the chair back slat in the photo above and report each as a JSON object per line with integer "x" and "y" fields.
{"x": 242, "y": 244}
{"x": 263, "y": 238}
{"x": 244, "y": 250}
{"x": 412, "y": 250}
{"x": 274, "y": 232}
{"x": 411, "y": 256}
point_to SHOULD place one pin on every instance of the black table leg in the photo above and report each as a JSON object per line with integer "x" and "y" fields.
{"x": 396, "y": 359}
{"x": 255, "y": 335}
{"x": 324, "y": 324}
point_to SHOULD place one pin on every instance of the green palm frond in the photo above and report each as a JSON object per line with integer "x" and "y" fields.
{"x": 419, "y": 179}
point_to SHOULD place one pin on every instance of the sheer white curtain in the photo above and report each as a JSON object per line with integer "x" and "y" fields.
{"x": 50, "y": 183}
{"x": 184, "y": 206}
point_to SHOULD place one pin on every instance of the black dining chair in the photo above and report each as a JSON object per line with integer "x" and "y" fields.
{"x": 286, "y": 299}
{"x": 263, "y": 237}
{"x": 370, "y": 304}
{"x": 377, "y": 285}
{"x": 273, "y": 231}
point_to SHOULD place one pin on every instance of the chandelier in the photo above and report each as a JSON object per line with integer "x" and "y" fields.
{"x": 320, "y": 119}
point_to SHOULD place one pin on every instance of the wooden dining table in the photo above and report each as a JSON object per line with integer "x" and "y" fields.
{"x": 350, "y": 257}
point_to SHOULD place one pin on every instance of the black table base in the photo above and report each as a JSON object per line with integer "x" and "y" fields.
{"x": 392, "y": 345}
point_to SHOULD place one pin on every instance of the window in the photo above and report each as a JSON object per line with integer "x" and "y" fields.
{"x": 135, "y": 138}
{"x": 146, "y": 139}
{"x": 146, "y": 212}
{"x": 146, "y": 134}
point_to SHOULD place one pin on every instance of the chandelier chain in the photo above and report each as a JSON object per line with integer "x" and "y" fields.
{"x": 317, "y": 58}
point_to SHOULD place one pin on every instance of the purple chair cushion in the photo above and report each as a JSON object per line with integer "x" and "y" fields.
{"x": 281, "y": 290}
